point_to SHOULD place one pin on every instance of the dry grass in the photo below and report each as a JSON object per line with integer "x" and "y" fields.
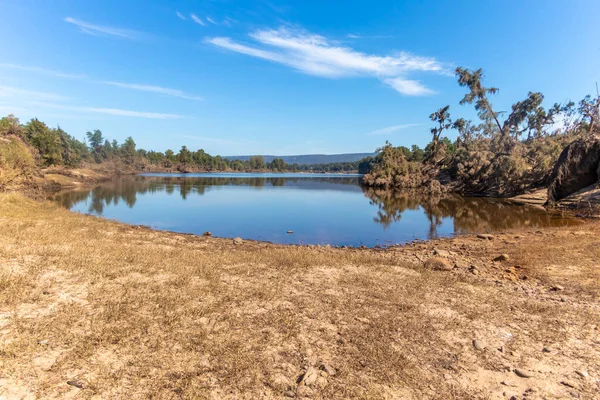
{"x": 127, "y": 312}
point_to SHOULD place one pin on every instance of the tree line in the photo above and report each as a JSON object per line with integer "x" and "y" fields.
{"x": 54, "y": 147}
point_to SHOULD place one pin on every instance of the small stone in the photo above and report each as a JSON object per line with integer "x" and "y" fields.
{"x": 447, "y": 376}
{"x": 438, "y": 264}
{"x": 207, "y": 233}
{"x": 479, "y": 345}
{"x": 290, "y": 394}
{"x": 441, "y": 253}
{"x": 43, "y": 342}
{"x": 328, "y": 368}
{"x": 279, "y": 382}
{"x": 78, "y": 384}
{"x": 238, "y": 240}
{"x": 290, "y": 232}
{"x": 485, "y": 236}
{"x": 569, "y": 384}
{"x": 557, "y": 288}
{"x": 574, "y": 394}
{"x": 582, "y": 373}
{"x": 310, "y": 376}
{"x": 509, "y": 383}
{"x": 502, "y": 257}
{"x": 547, "y": 350}
{"x": 304, "y": 391}
{"x": 523, "y": 373}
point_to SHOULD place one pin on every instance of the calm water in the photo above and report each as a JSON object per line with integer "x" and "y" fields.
{"x": 318, "y": 208}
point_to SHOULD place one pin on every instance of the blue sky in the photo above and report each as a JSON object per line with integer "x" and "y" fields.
{"x": 273, "y": 77}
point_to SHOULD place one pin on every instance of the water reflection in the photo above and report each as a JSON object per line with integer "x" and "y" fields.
{"x": 321, "y": 209}
{"x": 468, "y": 214}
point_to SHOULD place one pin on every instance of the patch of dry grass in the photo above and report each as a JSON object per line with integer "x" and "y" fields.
{"x": 127, "y": 312}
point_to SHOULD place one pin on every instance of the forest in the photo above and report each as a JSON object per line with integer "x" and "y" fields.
{"x": 55, "y": 147}
{"x": 499, "y": 154}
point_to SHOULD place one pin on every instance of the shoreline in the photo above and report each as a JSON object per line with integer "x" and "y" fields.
{"x": 130, "y": 311}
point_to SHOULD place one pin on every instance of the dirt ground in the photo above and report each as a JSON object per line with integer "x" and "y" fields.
{"x": 91, "y": 308}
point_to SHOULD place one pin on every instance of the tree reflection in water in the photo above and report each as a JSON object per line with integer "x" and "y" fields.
{"x": 468, "y": 214}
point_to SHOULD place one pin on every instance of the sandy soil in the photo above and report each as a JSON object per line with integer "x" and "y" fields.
{"x": 97, "y": 309}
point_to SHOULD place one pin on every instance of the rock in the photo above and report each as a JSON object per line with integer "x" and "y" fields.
{"x": 43, "y": 342}
{"x": 77, "y": 383}
{"x": 238, "y": 240}
{"x": 523, "y": 373}
{"x": 569, "y": 384}
{"x": 290, "y": 394}
{"x": 321, "y": 382}
{"x": 485, "y": 236}
{"x": 310, "y": 376}
{"x": 547, "y": 350}
{"x": 576, "y": 168}
{"x": 502, "y": 257}
{"x": 207, "y": 233}
{"x": 478, "y": 344}
{"x": 582, "y": 373}
{"x": 557, "y": 288}
{"x": 509, "y": 383}
{"x": 304, "y": 391}
{"x": 44, "y": 363}
{"x": 438, "y": 264}
{"x": 328, "y": 368}
{"x": 441, "y": 253}
{"x": 279, "y": 382}
{"x": 290, "y": 232}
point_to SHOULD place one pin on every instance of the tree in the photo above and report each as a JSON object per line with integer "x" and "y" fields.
{"x": 96, "y": 141}
{"x": 442, "y": 118}
{"x": 45, "y": 140}
{"x": 590, "y": 110}
{"x": 278, "y": 164}
{"x": 256, "y": 162}
{"x": 184, "y": 156}
{"x": 128, "y": 150}
{"x": 479, "y": 95}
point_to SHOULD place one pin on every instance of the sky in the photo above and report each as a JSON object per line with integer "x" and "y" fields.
{"x": 283, "y": 77}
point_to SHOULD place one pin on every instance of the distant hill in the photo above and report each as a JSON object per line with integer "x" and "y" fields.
{"x": 310, "y": 158}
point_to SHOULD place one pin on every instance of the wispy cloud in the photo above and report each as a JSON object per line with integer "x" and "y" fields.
{"x": 43, "y": 71}
{"x": 391, "y": 129}
{"x": 180, "y": 15}
{"x": 316, "y": 55}
{"x": 354, "y": 36}
{"x": 408, "y": 86}
{"x": 98, "y": 30}
{"x": 29, "y": 95}
{"x": 133, "y": 86}
{"x": 229, "y": 21}
{"x": 112, "y": 111}
{"x": 197, "y": 20}
{"x": 209, "y": 19}
{"x": 154, "y": 89}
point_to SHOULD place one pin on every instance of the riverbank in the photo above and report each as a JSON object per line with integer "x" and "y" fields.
{"x": 91, "y": 307}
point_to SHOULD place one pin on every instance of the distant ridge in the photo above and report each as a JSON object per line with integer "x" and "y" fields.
{"x": 310, "y": 158}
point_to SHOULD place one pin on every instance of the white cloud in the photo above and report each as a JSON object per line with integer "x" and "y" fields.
{"x": 43, "y": 71}
{"x": 197, "y": 20}
{"x": 29, "y": 95}
{"x": 390, "y": 129}
{"x": 408, "y": 87}
{"x": 180, "y": 15}
{"x": 316, "y": 55}
{"x": 112, "y": 111}
{"x": 154, "y": 89}
{"x": 140, "y": 87}
{"x": 97, "y": 30}
{"x": 209, "y": 19}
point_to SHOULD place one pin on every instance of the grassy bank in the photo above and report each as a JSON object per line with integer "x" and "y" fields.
{"x": 91, "y": 308}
